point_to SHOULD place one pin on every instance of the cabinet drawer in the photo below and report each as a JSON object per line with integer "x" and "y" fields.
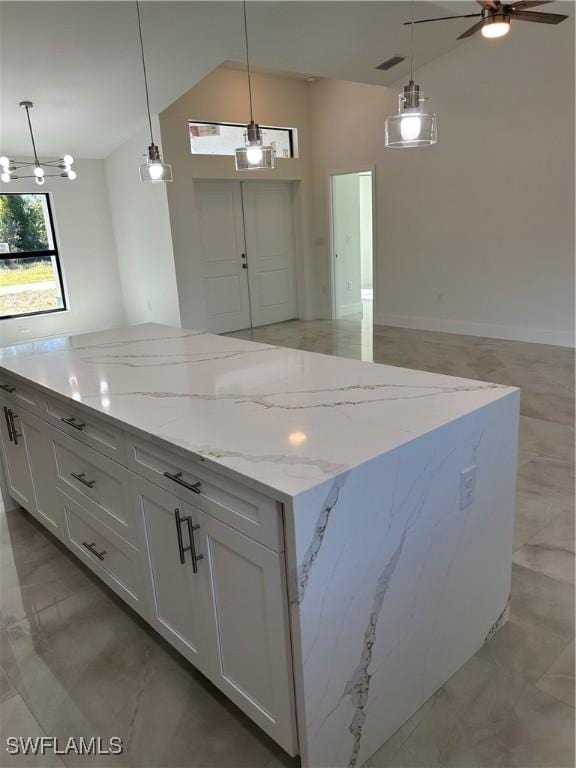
{"x": 95, "y": 482}
{"x": 19, "y": 394}
{"x": 257, "y": 516}
{"x": 111, "y": 558}
{"x": 88, "y": 429}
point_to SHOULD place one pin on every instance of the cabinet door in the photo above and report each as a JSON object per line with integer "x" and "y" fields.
{"x": 46, "y": 508}
{"x": 174, "y": 592}
{"x": 249, "y": 636}
{"x": 17, "y": 468}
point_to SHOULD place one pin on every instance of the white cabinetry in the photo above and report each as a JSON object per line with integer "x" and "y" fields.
{"x": 199, "y": 556}
{"x": 248, "y": 626}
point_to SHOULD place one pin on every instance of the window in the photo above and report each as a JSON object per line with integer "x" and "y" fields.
{"x": 30, "y": 276}
{"x": 225, "y": 138}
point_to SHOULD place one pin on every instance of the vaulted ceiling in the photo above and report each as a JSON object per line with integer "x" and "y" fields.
{"x": 79, "y": 61}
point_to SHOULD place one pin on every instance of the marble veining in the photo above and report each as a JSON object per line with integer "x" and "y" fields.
{"x": 286, "y": 420}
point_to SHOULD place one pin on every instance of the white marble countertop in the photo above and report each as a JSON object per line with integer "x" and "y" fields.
{"x": 283, "y": 419}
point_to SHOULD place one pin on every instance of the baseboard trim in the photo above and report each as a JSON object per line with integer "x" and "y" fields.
{"x": 487, "y": 330}
{"x": 350, "y": 309}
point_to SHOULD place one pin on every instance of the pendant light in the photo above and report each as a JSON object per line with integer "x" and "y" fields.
{"x": 254, "y": 155}
{"x": 153, "y": 170}
{"x": 9, "y": 168}
{"x": 412, "y": 126}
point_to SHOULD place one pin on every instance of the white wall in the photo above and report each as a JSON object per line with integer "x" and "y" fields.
{"x": 475, "y": 234}
{"x": 87, "y": 256}
{"x": 222, "y": 96}
{"x": 142, "y": 235}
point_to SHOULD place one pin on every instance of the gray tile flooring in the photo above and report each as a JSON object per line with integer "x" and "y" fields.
{"x": 75, "y": 661}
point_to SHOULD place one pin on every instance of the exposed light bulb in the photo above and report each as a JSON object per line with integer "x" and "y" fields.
{"x": 40, "y": 180}
{"x": 38, "y": 171}
{"x": 155, "y": 170}
{"x": 68, "y": 159}
{"x": 5, "y": 177}
{"x": 495, "y": 29}
{"x": 4, "y": 162}
{"x": 71, "y": 175}
{"x": 254, "y": 155}
{"x": 410, "y": 127}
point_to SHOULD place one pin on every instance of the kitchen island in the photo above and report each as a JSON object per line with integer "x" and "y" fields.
{"x": 328, "y": 541}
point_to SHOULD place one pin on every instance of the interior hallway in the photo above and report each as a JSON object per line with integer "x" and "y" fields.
{"x": 75, "y": 661}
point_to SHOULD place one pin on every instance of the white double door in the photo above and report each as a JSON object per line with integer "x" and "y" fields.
{"x": 247, "y": 252}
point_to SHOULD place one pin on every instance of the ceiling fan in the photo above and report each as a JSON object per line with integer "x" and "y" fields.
{"x": 495, "y": 17}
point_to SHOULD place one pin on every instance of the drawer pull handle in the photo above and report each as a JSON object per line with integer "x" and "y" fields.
{"x": 9, "y": 424}
{"x": 92, "y": 548}
{"x": 192, "y": 546}
{"x": 8, "y": 388}
{"x": 177, "y": 478}
{"x": 15, "y": 433}
{"x": 81, "y": 477}
{"x": 71, "y": 421}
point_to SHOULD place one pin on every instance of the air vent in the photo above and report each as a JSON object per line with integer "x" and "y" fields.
{"x": 391, "y": 62}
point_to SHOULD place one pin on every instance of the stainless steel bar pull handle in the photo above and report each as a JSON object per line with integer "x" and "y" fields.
{"x": 15, "y": 433}
{"x": 8, "y": 424}
{"x": 81, "y": 477}
{"x": 177, "y": 478}
{"x": 8, "y": 388}
{"x": 92, "y": 548}
{"x": 71, "y": 421}
{"x": 192, "y": 546}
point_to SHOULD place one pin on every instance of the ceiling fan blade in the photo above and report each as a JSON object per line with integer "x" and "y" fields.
{"x": 524, "y": 4}
{"x": 443, "y": 18}
{"x": 472, "y": 30}
{"x": 540, "y": 18}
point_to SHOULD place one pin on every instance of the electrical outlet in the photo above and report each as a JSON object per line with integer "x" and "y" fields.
{"x": 467, "y": 487}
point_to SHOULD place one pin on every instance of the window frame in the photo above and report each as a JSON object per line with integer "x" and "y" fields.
{"x": 32, "y": 254}
{"x": 289, "y": 131}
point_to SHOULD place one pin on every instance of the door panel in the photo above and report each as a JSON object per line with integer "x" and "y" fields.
{"x": 17, "y": 467}
{"x": 46, "y": 507}
{"x": 219, "y": 206}
{"x": 346, "y": 243}
{"x": 249, "y": 646}
{"x": 175, "y": 596}
{"x": 269, "y": 225}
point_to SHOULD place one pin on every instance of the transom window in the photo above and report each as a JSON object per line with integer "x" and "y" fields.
{"x": 30, "y": 274}
{"x": 225, "y": 138}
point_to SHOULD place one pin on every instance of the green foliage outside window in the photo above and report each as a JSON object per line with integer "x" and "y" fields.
{"x": 22, "y": 223}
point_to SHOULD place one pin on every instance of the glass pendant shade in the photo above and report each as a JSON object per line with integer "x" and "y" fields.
{"x": 412, "y": 126}
{"x": 154, "y": 170}
{"x": 254, "y": 156}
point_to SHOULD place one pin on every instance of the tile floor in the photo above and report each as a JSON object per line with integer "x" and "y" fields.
{"x": 75, "y": 661}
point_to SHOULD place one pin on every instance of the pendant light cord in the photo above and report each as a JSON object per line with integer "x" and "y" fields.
{"x": 36, "y": 161}
{"x": 248, "y": 60}
{"x": 144, "y": 70}
{"x": 412, "y": 42}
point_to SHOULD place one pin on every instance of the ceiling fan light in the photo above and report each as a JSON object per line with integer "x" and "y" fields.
{"x": 495, "y": 26}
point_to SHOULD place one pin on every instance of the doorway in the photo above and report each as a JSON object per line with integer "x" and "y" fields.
{"x": 247, "y": 252}
{"x": 352, "y": 196}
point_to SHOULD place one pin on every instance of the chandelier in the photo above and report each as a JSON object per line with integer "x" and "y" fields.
{"x": 9, "y": 168}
